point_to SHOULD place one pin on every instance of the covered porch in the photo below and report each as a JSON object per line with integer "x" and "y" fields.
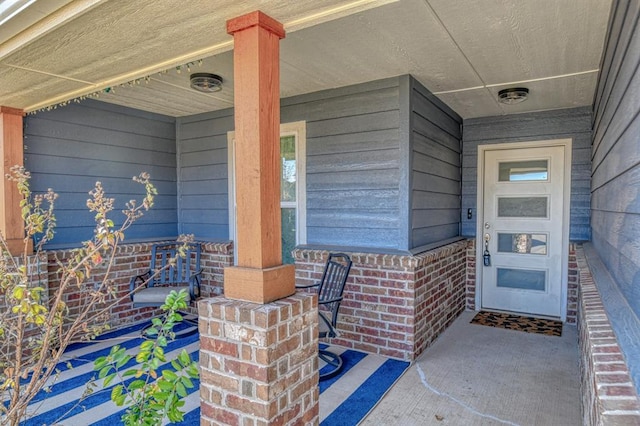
{"x": 387, "y": 108}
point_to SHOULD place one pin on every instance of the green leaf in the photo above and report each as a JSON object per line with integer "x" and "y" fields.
{"x": 181, "y": 390}
{"x": 104, "y": 371}
{"x": 99, "y": 363}
{"x": 186, "y": 382}
{"x": 120, "y": 400}
{"x": 142, "y": 356}
{"x": 109, "y": 379}
{"x": 147, "y": 345}
{"x": 122, "y": 361}
{"x": 169, "y": 375}
{"x": 116, "y": 393}
{"x": 130, "y": 372}
{"x": 154, "y": 363}
{"x": 184, "y": 357}
{"x": 164, "y": 385}
{"x": 136, "y": 384}
{"x": 158, "y": 352}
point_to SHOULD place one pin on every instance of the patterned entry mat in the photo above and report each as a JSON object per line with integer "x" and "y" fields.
{"x": 520, "y": 323}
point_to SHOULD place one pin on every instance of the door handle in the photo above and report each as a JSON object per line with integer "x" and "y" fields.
{"x": 486, "y": 256}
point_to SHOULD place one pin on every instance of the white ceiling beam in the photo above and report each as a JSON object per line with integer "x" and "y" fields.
{"x": 49, "y": 23}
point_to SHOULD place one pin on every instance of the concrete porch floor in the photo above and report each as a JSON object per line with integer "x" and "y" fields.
{"x": 479, "y": 375}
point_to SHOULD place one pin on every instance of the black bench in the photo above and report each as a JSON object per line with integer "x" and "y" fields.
{"x": 168, "y": 271}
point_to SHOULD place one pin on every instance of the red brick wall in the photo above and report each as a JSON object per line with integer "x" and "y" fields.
{"x": 394, "y": 305}
{"x": 258, "y": 363}
{"x": 471, "y": 274}
{"x": 608, "y": 394}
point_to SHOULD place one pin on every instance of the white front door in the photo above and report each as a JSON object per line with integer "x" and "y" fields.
{"x": 523, "y": 230}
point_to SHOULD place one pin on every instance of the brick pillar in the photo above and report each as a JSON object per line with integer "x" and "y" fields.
{"x": 258, "y": 363}
{"x": 11, "y": 151}
{"x": 260, "y": 276}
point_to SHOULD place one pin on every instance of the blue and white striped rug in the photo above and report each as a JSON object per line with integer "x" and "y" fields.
{"x": 344, "y": 399}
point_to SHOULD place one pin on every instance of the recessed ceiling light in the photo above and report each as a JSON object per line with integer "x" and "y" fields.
{"x": 205, "y": 82}
{"x": 513, "y": 95}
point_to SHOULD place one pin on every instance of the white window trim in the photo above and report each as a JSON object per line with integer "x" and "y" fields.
{"x": 299, "y": 129}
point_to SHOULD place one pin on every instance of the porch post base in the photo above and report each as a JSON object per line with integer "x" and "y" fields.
{"x": 258, "y": 363}
{"x": 259, "y": 285}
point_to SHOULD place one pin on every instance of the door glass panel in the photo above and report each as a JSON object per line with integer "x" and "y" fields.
{"x": 522, "y": 206}
{"x": 519, "y": 171}
{"x": 524, "y": 279}
{"x": 288, "y": 165}
{"x": 288, "y": 234}
{"x": 522, "y": 243}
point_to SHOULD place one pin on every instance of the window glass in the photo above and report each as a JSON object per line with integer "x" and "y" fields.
{"x": 524, "y": 279}
{"x": 288, "y": 165}
{"x": 535, "y": 207}
{"x": 519, "y": 171}
{"x": 522, "y": 243}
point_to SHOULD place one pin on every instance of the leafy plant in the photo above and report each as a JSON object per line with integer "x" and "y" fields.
{"x": 154, "y": 393}
{"x": 36, "y": 325}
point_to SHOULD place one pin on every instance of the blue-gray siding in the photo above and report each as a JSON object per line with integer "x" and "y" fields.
{"x": 615, "y": 186}
{"x": 572, "y": 123}
{"x": 434, "y": 164}
{"x": 203, "y": 174}
{"x": 352, "y": 166}
{"x": 383, "y": 167}
{"x": 70, "y": 148}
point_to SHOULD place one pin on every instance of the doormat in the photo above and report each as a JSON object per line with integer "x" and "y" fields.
{"x": 516, "y": 322}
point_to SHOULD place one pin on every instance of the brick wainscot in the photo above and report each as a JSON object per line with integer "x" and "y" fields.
{"x": 131, "y": 260}
{"x": 394, "y": 304}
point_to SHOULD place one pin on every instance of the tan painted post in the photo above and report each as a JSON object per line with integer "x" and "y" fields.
{"x": 260, "y": 276}
{"x": 11, "y": 151}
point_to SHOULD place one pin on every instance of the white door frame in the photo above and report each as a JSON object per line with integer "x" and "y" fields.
{"x": 567, "y": 144}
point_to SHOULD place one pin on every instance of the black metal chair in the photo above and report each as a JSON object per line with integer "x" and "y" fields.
{"x": 167, "y": 271}
{"x": 330, "y": 290}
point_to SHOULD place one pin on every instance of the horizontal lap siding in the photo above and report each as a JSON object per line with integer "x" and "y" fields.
{"x": 615, "y": 187}
{"x": 572, "y": 123}
{"x": 352, "y": 164}
{"x": 203, "y": 174}
{"x": 70, "y": 148}
{"x": 435, "y": 169}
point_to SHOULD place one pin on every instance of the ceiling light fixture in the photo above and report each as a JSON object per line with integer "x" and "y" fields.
{"x": 205, "y": 82}
{"x": 513, "y": 95}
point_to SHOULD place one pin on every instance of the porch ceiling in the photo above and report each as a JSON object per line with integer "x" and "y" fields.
{"x": 463, "y": 51}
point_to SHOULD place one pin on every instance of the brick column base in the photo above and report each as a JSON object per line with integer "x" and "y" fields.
{"x": 258, "y": 363}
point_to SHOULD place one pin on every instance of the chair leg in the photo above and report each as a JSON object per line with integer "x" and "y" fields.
{"x": 334, "y": 363}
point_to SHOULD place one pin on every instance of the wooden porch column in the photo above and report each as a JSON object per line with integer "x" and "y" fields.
{"x": 260, "y": 276}
{"x": 11, "y": 151}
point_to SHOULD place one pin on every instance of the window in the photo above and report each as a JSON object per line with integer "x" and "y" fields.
{"x": 292, "y": 187}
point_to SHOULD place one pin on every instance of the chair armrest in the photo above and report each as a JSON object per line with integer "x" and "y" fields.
{"x": 135, "y": 281}
{"x": 307, "y": 286}
{"x": 194, "y": 285}
{"x": 324, "y": 302}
